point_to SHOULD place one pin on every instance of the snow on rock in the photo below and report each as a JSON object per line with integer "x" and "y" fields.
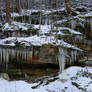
{"x": 75, "y": 80}
{"x": 67, "y": 45}
{"x": 38, "y": 41}
{"x": 34, "y": 40}
{"x": 88, "y": 14}
{"x": 46, "y": 29}
{"x": 15, "y": 26}
{"x": 70, "y": 72}
{"x": 70, "y": 30}
{"x": 44, "y": 11}
{"x": 14, "y": 14}
{"x": 80, "y": 77}
{"x": 43, "y": 28}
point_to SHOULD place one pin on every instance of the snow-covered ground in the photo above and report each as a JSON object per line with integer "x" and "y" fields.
{"x": 15, "y": 26}
{"x": 73, "y": 79}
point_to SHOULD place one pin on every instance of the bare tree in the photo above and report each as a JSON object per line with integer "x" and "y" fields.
{"x": 25, "y": 2}
{"x": 68, "y": 8}
{"x": 8, "y": 15}
{"x": 18, "y": 6}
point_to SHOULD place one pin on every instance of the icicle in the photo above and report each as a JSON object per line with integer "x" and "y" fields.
{"x": 0, "y": 56}
{"x": 9, "y": 54}
{"x": 73, "y": 24}
{"x": 91, "y": 24}
{"x": 7, "y": 59}
{"x": 73, "y": 56}
{"x": 61, "y": 58}
{"x": 25, "y": 55}
{"x": 22, "y": 54}
{"x": 4, "y": 55}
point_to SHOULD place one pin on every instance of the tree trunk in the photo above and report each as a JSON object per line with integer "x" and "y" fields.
{"x": 68, "y": 8}
{"x": 25, "y": 2}
{"x": 8, "y": 15}
{"x": 18, "y": 6}
{"x": 54, "y": 5}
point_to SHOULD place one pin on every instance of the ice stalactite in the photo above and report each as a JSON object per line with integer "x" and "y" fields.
{"x": 0, "y": 56}
{"x": 88, "y": 23}
{"x": 24, "y": 54}
{"x": 73, "y": 56}
{"x": 7, "y": 58}
{"x": 91, "y": 24}
{"x": 62, "y": 57}
{"x": 4, "y": 57}
{"x": 10, "y": 54}
{"x": 73, "y": 24}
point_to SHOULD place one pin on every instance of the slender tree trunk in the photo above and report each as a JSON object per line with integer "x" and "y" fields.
{"x": 68, "y": 8}
{"x": 40, "y": 14}
{"x": 18, "y": 6}
{"x": 0, "y": 10}
{"x": 0, "y": 4}
{"x": 54, "y": 5}
{"x": 25, "y": 2}
{"x": 8, "y": 15}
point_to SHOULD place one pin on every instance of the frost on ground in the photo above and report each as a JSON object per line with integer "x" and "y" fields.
{"x": 73, "y": 79}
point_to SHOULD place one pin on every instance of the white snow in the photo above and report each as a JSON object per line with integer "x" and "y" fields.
{"x": 14, "y": 14}
{"x": 30, "y": 11}
{"x": 67, "y": 45}
{"x": 34, "y": 40}
{"x": 70, "y": 30}
{"x": 38, "y": 41}
{"x": 15, "y": 26}
{"x": 64, "y": 84}
{"x": 44, "y": 11}
{"x": 88, "y": 14}
{"x": 43, "y": 28}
